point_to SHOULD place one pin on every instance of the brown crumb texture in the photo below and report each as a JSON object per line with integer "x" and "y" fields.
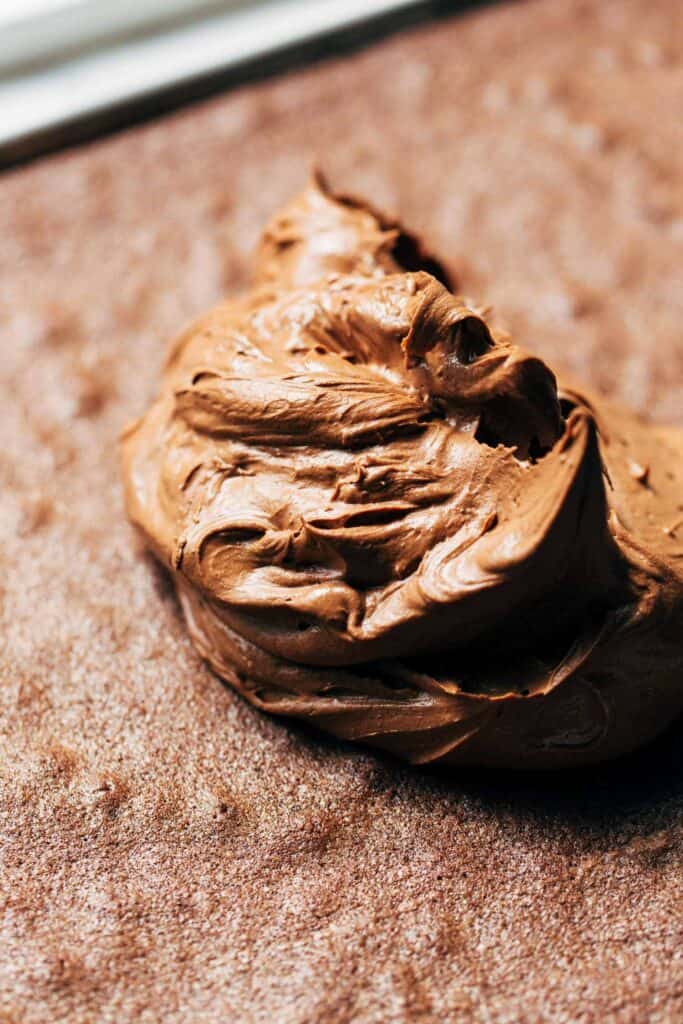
{"x": 166, "y": 852}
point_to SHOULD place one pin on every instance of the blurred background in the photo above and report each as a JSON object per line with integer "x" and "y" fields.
{"x": 73, "y": 68}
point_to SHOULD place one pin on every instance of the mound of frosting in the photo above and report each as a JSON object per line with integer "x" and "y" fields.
{"x": 384, "y": 518}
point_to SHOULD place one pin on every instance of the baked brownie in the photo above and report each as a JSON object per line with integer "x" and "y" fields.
{"x": 169, "y": 853}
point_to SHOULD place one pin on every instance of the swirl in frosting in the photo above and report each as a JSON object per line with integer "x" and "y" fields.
{"x": 384, "y": 517}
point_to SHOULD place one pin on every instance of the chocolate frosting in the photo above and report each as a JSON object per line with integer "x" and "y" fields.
{"x": 385, "y": 518}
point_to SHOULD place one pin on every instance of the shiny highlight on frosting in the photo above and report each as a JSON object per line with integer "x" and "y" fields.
{"x": 385, "y": 518}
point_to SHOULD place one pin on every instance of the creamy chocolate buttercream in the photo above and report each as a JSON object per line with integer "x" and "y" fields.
{"x": 384, "y": 517}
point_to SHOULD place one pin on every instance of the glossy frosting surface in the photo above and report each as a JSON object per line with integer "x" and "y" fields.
{"x": 384, "y": 516}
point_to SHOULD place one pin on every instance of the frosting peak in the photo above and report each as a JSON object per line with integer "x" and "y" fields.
{"x": 383, "y": 516}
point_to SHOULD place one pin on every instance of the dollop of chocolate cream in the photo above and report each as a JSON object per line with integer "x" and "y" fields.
{"x": 385, "y": 518}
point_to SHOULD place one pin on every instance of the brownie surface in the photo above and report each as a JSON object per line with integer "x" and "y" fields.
{"x": 166, "y": 852}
